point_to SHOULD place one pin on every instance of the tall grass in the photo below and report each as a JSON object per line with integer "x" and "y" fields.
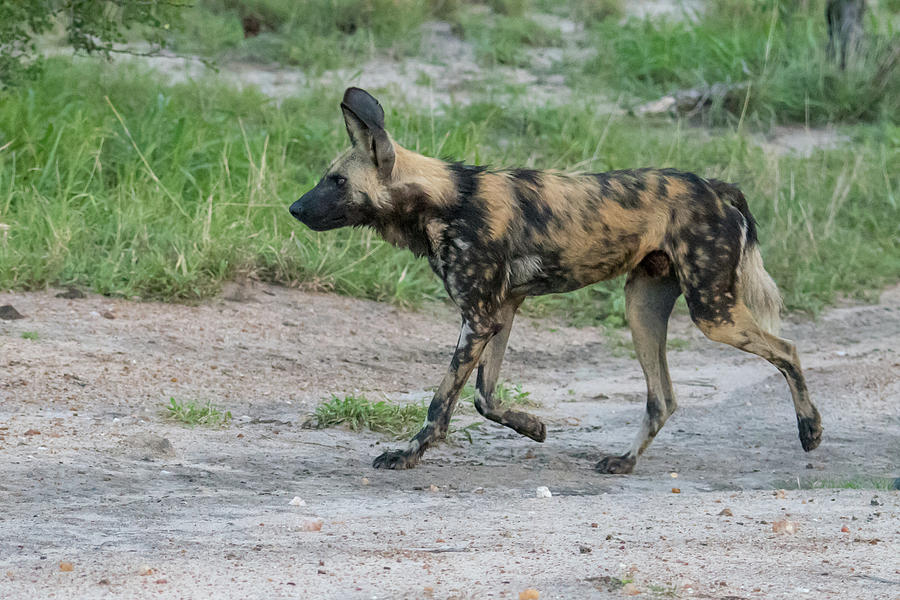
{"x": 313, "y": 35}
{"x": 500, "y": 39}
{"x": 113, "y": 182}
{"x": 779, "y": 52}
{"x": 110, "y": 180}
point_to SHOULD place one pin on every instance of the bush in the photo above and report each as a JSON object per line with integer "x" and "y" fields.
{"x": 91, "y": 26}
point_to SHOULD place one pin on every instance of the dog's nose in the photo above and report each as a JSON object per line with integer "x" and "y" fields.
{"x": 296, "y": 210}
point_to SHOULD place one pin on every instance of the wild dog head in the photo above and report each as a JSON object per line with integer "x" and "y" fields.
{"x": 356, "y": 184}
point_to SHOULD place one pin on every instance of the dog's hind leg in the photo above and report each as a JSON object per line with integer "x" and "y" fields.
{"x": 472, "y": 339}
{"x": 740, "y": 330}
{"x": 489, "y": 371}
{"x": 649, "y": 299}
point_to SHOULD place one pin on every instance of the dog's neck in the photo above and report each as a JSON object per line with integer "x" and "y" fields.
{"x": 421, "y": 191}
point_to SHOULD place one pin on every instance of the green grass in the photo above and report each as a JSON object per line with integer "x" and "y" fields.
{"x": 401, "y": 421}
{"x": 779, "y": 52}
{"x": 855, "y": 483}
{"x": 677, "y": 344}
{"x": 29, "y": 335}
{"x": 357, "y": 412}
{"x": 116, "y": 183}
{"x": 501, "y": 39}
{"x": 313, "y": 35}
{"x": 508, "y": 394}
{"x": 193, "y": 413}
{"x": 585, "y": 12}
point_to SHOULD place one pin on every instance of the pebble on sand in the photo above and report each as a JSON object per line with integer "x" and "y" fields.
{"x": 788, "y": 527}
{"x": 543, "y": 492}
{"x": 311, "y": 525}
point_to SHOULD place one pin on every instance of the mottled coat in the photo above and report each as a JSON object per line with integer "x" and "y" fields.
{"x": 495, "y": 237}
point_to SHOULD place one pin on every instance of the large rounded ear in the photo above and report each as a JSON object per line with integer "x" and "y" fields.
{"x": 364, "y": 118}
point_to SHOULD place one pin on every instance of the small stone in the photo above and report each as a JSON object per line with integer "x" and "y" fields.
{"x": 478, "y": 490}
{"x": 150, "y": 447}
{"x": 780, "y": 494}
{"x": 595, "y": 525}
{"x": 66, "y": 566}
{"x": 845, "y": 529}
{"x": 874, "y": 501}
{"x": 72, "y": 293}
{"x": 365, "y": 481}
{"x": 297, "y": 501}
{"x": 433, "y": 488}
{"x": 529, "y": 594}
{"x": 161, "y": 581}
{"x": 32, "y": 432}
{"x": 107, "y": 314}
{"x": 310, "y": 525}
{"x": 662, "y": 106}
{"x": 585, "y": 549}
{"x": 543, "y": 492}
{"x": 726, "y": 512}
{"x": 676, "y": 490}
{"x": 145, "y": 570}
{"x": 8, "y": 313}
{"x": 673, "y": 475}
{"x": 103, "y": 582}
{"x": 785, "y": 526}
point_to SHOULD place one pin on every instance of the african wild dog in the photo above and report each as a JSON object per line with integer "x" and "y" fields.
{"x": 496, "y": 237}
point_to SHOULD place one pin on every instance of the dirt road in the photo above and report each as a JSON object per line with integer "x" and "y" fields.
{"x": 94, "y": 477}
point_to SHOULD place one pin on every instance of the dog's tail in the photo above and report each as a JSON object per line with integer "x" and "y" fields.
{"x": 754, "y": 285}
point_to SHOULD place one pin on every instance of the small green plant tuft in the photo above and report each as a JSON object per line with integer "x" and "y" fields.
{"x": 678, "y": 344}
{"x": 191, "y": 413}
{"x": 400, "y": 421}
{"x": 29, "y": 335}
{"x": 357, "y": 412}
{"x": 861, "y": 482}
{"x": 856, "y": 483}
{"x": 509, "y": 394}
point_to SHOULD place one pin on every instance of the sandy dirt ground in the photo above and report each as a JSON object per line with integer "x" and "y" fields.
{"x": 94, "y": 476}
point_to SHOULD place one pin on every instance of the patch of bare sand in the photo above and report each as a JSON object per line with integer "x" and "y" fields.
{"x": 94, "y": 474}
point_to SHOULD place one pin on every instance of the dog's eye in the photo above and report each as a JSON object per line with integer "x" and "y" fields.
{"x": 340, "y": 181}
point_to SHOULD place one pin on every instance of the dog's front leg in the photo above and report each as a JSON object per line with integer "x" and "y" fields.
{"x": 486, "y": 380}
{"x": 472, "y": 339}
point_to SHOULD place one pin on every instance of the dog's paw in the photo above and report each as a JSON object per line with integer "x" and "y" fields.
{"x": 523, "y": 423}
{"x": 539, "y": 433}
{"x": 616, "y": 465}
{"x": 395, "y": 459}
{"x": 810, "y": 432}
